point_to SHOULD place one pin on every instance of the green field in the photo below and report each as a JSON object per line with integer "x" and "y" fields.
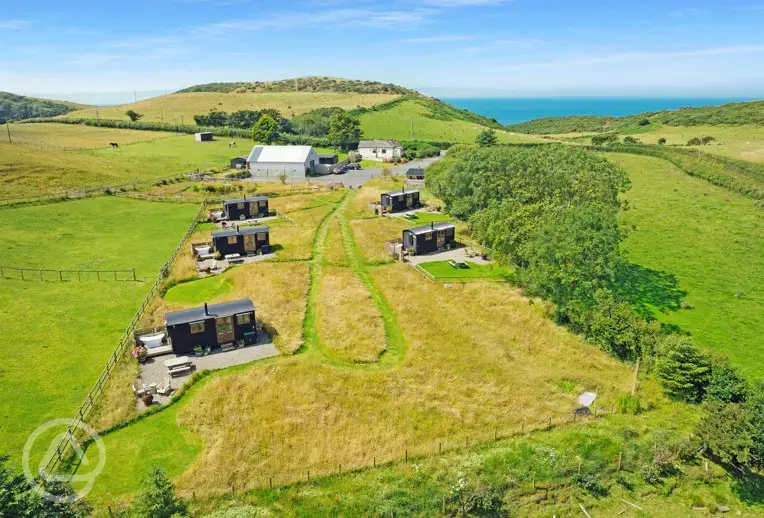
{"x": 410, "y": 120}
{"x": 48, "y": 158}
{"x": 740, "y": 142}
{"x": 442, "y": 270}
{"x": 182, "y": 107}
{"x": 56, "y": 337}
{"x": 700, "y": 244}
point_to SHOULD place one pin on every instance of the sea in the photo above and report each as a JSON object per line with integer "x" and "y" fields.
{"x": 515, "y": 110}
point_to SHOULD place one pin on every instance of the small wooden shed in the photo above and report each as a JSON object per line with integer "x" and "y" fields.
{"x": 242, "y": 241}
{"x": 415, "y": 173}
{"x": 212, "y": 325}
{"x": 428, "y": 238}
{"x": 240, "y": 162}
{"x": 204, "y": 136}
{"x": 246, "y": 208}
{"x": 396, "y": 201}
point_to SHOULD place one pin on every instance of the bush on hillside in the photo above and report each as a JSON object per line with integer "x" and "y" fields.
{"x": 683, "y": 369}
{"x": 695, "y": 141}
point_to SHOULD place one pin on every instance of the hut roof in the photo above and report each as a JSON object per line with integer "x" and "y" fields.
{"x": 245, "y": 200}
{"x": 402, "y": 192}
{"x": 424, "y": 229}
{"x": 225, "y": 309}
{"x": 240, "y": 231}
{"x": 415, "y": 171}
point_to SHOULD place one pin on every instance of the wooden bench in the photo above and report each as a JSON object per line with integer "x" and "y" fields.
{"x": 234, "y": 258}
{"x": 175, "y": 371}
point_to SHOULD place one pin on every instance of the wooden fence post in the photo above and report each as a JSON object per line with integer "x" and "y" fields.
{"x": 79, "y": 275}
{"x": 406, "y": 457}
{"x": 308, "y": 475}
{"x": 270, "y": 482}
{"x": 98, "y": 272}
{"x": 40, "y": 274}
{"x": 620, "y": 454}
{"x": 134, "y": 277}
{"x": 61, "y": 276}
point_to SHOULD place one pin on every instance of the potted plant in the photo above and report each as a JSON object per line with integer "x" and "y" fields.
{"x": 140, "y": 353}
{"x": 147, "y": 398}
{"x": 198, "y": 350}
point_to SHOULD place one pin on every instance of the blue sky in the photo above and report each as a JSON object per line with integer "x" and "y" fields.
{"x": 442, "y": 47}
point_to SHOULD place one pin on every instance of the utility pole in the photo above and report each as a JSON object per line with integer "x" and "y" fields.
{"x": 161, "y": 112}
{"x": 8, "y": 127}
{"x": 412, "y": 128}
{"x": 135, "y": 96}
{"x": 181, "y": 120}
{"x": 98, "y": 116}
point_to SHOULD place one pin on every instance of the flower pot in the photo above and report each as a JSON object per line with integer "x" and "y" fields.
{"x": 147, "y": 399}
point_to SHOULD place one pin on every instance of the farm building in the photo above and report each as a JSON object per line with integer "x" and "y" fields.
{"x": 415, "y": 173}
{"x": 242, "y": 241}
{"x": 384, "y": 150}
{"x": 327, "y": 163}
{"x": 246, "y": 208}
{"x": 292, "y": 161}
{"x": 211, "y": 326}
{"x": 240, "y": 162}
{"x": 428, "y": 238}
{"x": 205, "y": 136}
{"x": 396, "y": 201}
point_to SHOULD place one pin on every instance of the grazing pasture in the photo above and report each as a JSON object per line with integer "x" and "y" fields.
{"x": 698, "y": 257}
{"x": 67, "y": 136}
{"x": 396, "y": 123}
{"x": 740, "y": 142}
{"x": 463, "y": 355}
{"x": 56, "y": 337}
{"x": 182, "y": 107}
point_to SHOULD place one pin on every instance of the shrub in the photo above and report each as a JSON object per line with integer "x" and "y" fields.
{"x": 630, "y": 140}
{"x": 662, "y": 141}
{"x": 726, "y": 433}
{"x": 725, "y": 385}
{"x": 694, "y": 142}
{"x": 158, "y": 499}
{"x": 487, "y": 138}
{"x": 603, "y": 140}
{"x": 683, "y": 369}
{"x": 630, "y": 404}
{"x": 644, "y": 122}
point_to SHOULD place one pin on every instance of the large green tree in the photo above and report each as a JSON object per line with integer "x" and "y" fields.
{"x": 133, "y": 115}
{"x": 683, "y": 369}
{"x": 344, "y": 130}
{"x": 487, "y": 138}
{"x": 157, "y": 498}
{"x": 265, "y": 130}
{"x": 726, "y": 434}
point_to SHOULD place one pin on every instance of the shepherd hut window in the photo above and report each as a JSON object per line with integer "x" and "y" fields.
{"x": 244, "y": 318}
{"x": 428, "y": 237}
{"x": 232, "y": 240}
{"x": 197, "y": 327}
{"x": 240, "y": 205}
{"x": 262, "y": 236}
{"x": 262, "y": 203}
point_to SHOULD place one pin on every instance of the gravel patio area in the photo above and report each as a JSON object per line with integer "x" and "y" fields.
{"x": 154, "y": 371}
{"x": 456, "y": 254}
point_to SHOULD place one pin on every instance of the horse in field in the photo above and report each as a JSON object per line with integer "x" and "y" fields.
{"x": 113, "y": 144}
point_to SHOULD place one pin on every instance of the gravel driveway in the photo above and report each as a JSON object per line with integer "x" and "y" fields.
{"x": 356, "y": 178}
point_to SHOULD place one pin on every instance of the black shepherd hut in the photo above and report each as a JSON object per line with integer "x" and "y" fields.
{"x": 242, "y": 241}
{"x": 428, "y": 238}
{"x": 246, "y": 208}
{"x": 415, "y": 173}
{"x": 211, "y": 326}
{"x": 400, "y": 200}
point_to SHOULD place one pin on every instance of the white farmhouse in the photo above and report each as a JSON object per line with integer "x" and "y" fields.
{"x": 293, "y": 161}
{"x": 380, "y": 150}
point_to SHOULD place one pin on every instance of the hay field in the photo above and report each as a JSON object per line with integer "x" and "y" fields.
{"x": 170, "y": 108}
{"x": 464, "y": 356}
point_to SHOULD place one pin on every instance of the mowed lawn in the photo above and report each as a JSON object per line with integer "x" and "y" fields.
{"x": 46, "y": 158}
{"x": 56, "y": 337}
{"x": 442, "y": 270}
{"x": 177, "y": 108}
{"x": 740, "y": 142}
{"x": 706, "y": 241}
{"x": 396, "y": 123}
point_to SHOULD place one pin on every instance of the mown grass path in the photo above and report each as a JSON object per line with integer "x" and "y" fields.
{"x": 395, "y": 349}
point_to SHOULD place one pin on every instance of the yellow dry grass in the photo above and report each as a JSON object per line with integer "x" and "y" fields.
{"x": 479, "y": 358}
{"x": 296, "y": 238}
{"x": 287, "y": 204}
{"x": 277, "y": 289}
{"x": 117, "y": 404}
{"x": 334, "y": 248}
{"x": 184, "y": 266}
{"x": 170, "y": 108}
{"x": 359, "y": 205}
{"x": 373, "y": 233}
{"x": 69, "y": 136}
{"x": 349, "y": 324}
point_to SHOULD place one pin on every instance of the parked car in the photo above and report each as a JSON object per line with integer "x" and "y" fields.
{"x": 353, "y": 165}
{"x": 341, "y": 170}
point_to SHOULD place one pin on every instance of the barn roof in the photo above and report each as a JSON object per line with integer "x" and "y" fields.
{"x": 402, "y": 192}
{"x": 415, "y": 171}
{"x": 240, "y": 231}
{"x": 424, "y": 229}
{"x": 378, "y": 143}
{"x": 225, "y": 309}
{"x": 280, "y": 154}
{"x": 245, "y": 200}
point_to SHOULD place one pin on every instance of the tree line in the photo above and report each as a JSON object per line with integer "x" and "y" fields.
{"x": 17, "y": 107}
{"x": 552, "y": 212}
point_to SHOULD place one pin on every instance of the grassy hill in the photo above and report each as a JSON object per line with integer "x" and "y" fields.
{"x": 17, "y": 107}
{"x": 304, "y": 84}
{"x": 732, "y": 114}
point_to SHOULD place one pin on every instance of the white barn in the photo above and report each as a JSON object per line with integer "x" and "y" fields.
{"x": 293, "y": 161}
{"x": 380, "y": 150}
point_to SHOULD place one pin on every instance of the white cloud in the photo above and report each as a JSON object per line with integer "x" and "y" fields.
{"x": 462, "y": 3}
{"x": 439, "y": 39}
{"x": 14, "y": 25}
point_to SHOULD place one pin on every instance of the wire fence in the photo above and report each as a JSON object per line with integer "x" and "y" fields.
{"x": 555, "y": 466}
{"x": 57, "y": 275}
{"x": 65, "y": 446}
{"x": 84, "y": 192}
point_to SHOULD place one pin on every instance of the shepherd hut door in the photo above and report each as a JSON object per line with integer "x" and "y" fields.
{"x": 441, "y": 238}
{"x": 252, "y": 208}
{"x": 225, "y": 329}
{"x": 249, "y": 243}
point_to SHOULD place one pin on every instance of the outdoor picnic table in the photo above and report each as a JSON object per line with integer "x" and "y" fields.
{"x": 180, "y": 361}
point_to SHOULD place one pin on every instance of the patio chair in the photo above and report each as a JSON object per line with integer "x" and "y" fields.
{"x": 165, "y": 389}
{"x": 138, "y": 388}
